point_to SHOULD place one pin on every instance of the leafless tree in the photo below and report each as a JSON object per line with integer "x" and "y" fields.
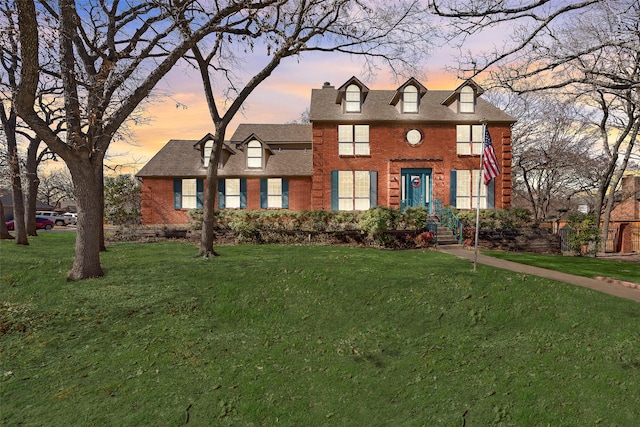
{"x": 9, "y": 117}
{"x": 552, "y": 157}
{"x": 396, "y": 34}
{"x": 589, "y": 49}
{"x": 110, "y": 56}
{"x": 56, "y": 186}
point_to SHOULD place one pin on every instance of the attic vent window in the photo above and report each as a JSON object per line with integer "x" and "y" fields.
{"x": 352, "y": 99}
{"x": 467, "y": 100}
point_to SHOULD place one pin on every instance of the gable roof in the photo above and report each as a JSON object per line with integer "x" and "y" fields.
{"x": 378, "y": 108}
{"x": 479, "y": 90}
{"x": 182, "y": 159}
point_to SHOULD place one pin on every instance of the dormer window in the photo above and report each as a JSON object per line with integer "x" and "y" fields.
{"x": 254, "y": 154}
{"x": 467, "y": 100}
{"x": 206, "y": 155}
{"x": 410, "y": 99}
{"x": 352, "y": 99}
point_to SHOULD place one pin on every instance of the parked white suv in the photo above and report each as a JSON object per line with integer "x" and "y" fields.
{"x": 53, "y": 216}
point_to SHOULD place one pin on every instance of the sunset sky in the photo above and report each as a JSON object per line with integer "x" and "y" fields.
{"x": 179, "y": 110}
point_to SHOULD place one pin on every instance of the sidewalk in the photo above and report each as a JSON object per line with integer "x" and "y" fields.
{"x": 597, "y": 285}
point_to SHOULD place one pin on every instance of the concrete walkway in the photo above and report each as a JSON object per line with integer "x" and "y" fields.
{"x": 597, "y": 285}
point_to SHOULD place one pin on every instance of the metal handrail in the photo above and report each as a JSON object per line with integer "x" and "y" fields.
{"x": 452, "y": 222}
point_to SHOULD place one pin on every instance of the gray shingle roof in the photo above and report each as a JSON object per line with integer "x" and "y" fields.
{"x": 179, "y": 158}
{"x": 377, "y": 108}
{"x": 274, "y": 134}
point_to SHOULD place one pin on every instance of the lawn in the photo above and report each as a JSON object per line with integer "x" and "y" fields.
{"x": 306, "y": 336}
{"x": 581, "y": 266}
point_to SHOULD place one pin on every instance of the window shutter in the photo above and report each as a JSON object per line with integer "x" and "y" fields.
{"x": 334, "y": 190}
{"x": 199, "y": 193}
{"x": 221, "y": 193}
{"x": 452, "y": 188}
{"x": 491, "y": 196}
{"x": 263, "y": 193}
{"x": 177, "y": 193}
{"x": 285, "y": 193}
{"x": 373, "y": 188}
{"x": 243, "y": 193}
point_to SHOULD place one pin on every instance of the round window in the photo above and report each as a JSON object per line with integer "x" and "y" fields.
{"x": 414, "y": 137}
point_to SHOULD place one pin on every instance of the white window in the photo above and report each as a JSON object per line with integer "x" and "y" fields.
{"x": 354, "y": 190}
{"x": 274, "y": 193}
{"x": 352, "y": 99}
{"x": 467, "y": 190}
{"x": 232, "y": 193}
{"x": 467, "y": 100}
{"x": 469, "y": 139}
{"x": 410, "y": 100}
{"x": 353, "y": 140}
{"x": 189, "y": 194}
{"x": 208, "y": 147}
{"x": 254, "y": 154}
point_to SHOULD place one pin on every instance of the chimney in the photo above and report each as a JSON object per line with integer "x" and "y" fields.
{"x": 327, "y": 85}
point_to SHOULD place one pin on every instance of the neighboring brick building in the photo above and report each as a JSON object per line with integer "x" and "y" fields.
{"x": 364, "y": 148}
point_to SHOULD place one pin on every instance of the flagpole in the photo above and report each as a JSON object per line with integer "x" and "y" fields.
{"x": 475, "y": 254}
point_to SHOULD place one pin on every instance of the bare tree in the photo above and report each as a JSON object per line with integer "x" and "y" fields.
{"x": 589, "y": 49}
{"x": 56, "y": 186}
{"x": 110, "y": 55}
{"x": 9, "y": 117}
{"x": 396, "y": 34}
{"x": 553, "y": 160}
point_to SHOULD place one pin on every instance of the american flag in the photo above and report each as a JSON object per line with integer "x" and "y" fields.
{"x": 490, "y": 167}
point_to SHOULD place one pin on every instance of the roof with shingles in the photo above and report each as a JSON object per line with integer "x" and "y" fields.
{"x": 274, "y": 134}
{"x": 180, "y": 158}
{"x": 377, "y": 107}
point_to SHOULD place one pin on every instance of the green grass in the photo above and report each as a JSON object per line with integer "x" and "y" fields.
{"x": 306, "y": 336}
{"x": 580, "y": 266}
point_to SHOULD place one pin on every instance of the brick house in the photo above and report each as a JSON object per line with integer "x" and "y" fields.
{"x": 397, "y": 148}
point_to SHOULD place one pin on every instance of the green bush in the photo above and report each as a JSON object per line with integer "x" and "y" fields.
{"x": 376, "y": 221}
{"x": 585, "y": 237}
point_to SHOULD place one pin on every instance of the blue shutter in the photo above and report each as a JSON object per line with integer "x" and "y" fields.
{"x": 334, "y": 190}
{"x": 373, "y": 189}
{"x": 199, "y": 193}
{"x": 243, "y": 193}
{"x": 285, "y": 193}
{"x": 491, "y": 196}
{"x": 263, "y": 193}
{"x": 177, "y": 193}
{"x": 452, "y": 188}
{"x": 221, "y": 193}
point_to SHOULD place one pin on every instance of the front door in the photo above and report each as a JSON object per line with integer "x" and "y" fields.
{"x": 416, "y": 187}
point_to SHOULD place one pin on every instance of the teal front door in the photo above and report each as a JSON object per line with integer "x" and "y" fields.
{"x": 416, "y": 188}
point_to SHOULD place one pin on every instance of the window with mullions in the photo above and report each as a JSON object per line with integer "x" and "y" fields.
{"x": 352, "y": 99}
{"x": 208, "y": 147}
{"x": 274, "y": 193}
{"x": 254, "y": 154}
{"x": 188, "y": 193}
{"x": 353, "y": 190}
{"x": 467, "y": 100}
{"x": 353, "y": 140}
{"x": 232, "y": 193}
{"x": 410, "y": 100}
{"x": 469, "y": 139}
{"x": 464, "y": 190}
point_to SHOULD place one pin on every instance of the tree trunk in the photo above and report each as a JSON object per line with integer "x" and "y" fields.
{"x": 209, "y": 219}
{"x": 9, "y": 125}
{"x": 4, "y": 232}
{"x": 33, "y": 182}
{"x": 86, "y": 175}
